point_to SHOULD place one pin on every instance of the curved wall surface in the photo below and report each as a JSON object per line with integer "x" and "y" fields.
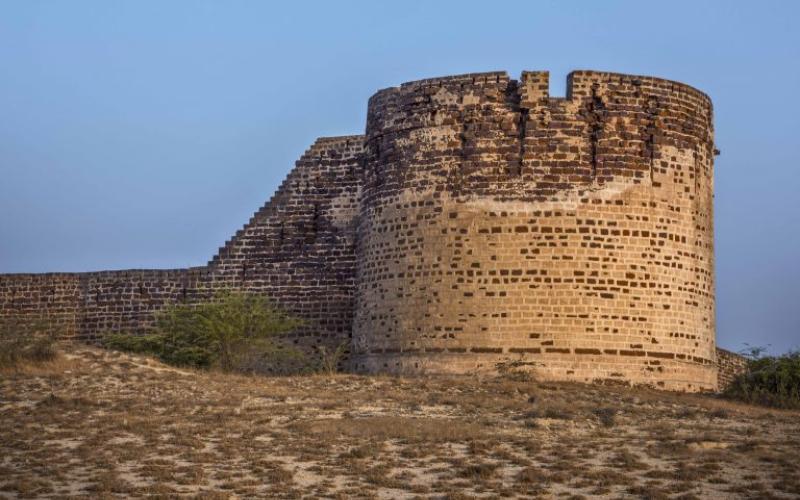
{"x": 571, "y": 235}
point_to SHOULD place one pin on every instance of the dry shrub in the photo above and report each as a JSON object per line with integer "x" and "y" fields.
{"x": 331, "y": 360}
{"x": 606, "y": 416}
{"x": 531, "y": 475}
{"x": 625, "y": 460}
{"x": 368, "y": 450}
{"x": 554, "y": 410}
{"x": 27, "y": 340}
{"x": 480, "y": 471}
{"x": 430, "y": 430}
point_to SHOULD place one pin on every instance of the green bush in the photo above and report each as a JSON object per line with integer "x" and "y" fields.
{"x": 234, "y": 331}
{"x": 770, "y": 380}
{"x": 27, "y": 340}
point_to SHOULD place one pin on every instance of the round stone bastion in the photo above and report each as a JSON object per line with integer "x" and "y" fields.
{"x": 571, "y": 236}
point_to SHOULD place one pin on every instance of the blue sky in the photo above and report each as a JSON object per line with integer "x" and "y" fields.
{"x": 144, "y": 133}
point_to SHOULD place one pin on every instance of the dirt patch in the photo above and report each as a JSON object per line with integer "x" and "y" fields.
{"x": 94, "y": 424}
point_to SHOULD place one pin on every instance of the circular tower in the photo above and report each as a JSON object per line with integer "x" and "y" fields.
{"x": 569, "y": 235}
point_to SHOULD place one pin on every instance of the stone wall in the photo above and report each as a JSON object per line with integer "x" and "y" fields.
{"x": 87, "y": 305}
{"x": 479, "y": 221}
{"x": 297, "y": 249}
{"x": 575, "y": 235}
{"x": 729, "y": 366}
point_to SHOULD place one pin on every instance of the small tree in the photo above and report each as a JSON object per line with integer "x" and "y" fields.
{"x": 233, "y": 331}
{"x": 769, "y": 380}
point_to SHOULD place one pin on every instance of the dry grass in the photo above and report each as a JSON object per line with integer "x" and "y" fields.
{"x": 406, "y": 430}
{"x": 58, "y": 364}
{"x": 97, "y": 424}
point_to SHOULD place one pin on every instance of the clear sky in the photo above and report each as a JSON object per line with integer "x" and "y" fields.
{"x": 139, "y": 134}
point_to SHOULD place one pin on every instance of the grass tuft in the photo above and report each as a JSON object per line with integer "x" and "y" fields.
{"x": 25, "y": 342}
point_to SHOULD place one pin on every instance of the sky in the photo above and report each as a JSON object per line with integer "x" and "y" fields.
{"x": 142, "y": 134}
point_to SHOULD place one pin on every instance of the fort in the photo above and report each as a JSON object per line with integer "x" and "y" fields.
{"x": 478, "y": 221}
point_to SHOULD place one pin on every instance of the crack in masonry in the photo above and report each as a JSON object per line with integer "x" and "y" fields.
{"x": 653, "y": 104}
{"x": 514, "y": 101}
{"x": 651, "y": 145}
{"x": 377, "y": 170}
{"x": 522, "y": 128}
{"x": 596, "y": 108}
{"x": 458, "y": 176}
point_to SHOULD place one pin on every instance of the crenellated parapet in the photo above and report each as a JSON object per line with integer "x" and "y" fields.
{"x": 489, "y": 135}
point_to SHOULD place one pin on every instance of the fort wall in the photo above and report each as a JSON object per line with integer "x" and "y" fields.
{"x": 479, "y": 221}
{"x": 729, "y": 366}
{"x": 573, "y": 235}
{"x": 298, "y": 249}
{"x": 87, "y": 305}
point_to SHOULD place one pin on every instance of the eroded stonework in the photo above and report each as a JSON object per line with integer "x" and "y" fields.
{"x": 298, "y": 249}
{"x": 479, "y": 221}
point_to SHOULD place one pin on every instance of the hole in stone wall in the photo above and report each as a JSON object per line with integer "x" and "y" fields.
{"x": 558, "y": 83}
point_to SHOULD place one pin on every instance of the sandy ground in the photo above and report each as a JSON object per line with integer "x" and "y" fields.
{"x": 98, "y": 424}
